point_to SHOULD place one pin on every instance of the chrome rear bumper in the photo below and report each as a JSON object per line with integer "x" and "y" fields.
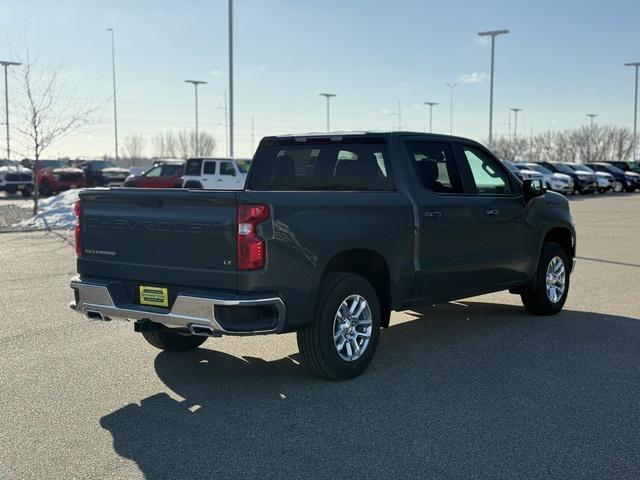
{"x": 193, "y": 309}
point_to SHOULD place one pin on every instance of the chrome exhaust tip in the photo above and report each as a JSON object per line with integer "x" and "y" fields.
{"x": 203, "y": 330}
{"x": 93, "y": 315}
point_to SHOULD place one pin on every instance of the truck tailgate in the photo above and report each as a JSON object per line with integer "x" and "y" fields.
{"x": 160, "y": 237}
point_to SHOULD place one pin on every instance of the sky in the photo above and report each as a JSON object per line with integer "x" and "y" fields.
{"x": 560, "y": 61}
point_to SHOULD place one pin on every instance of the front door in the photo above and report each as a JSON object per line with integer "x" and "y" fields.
{"x": 449, "y": 255}
{"x": 507, "y": 240}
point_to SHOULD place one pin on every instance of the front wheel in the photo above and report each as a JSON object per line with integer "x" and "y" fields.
{"x": 342, "y": 338}
{"x": 172, "y": 341}
{"x": 547, "y": 291}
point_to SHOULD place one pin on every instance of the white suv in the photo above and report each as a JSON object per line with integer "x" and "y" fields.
{"x": 216, "y": 173}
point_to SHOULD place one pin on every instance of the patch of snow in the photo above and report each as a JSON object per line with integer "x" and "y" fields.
{"x": 53, "y": 212}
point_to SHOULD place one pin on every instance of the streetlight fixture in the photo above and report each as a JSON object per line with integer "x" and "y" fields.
{"x": 115, "y": 108}
{"x": 451, "y": 87}
{"x": 493, "y": 34}
{"x": 515, "y": 124}
{"x": 635, "y": 112}
{"x": 6, "y": 64}
{"x": 430, "y": 105}
{"x": 195, "y": 84}
{"x": 591, "y": 117}
{"x": 328, "y": 97}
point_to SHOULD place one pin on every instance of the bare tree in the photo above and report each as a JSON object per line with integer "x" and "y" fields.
{"x": 165, "y": 145}
{"x": 187, "y": 144}
{"x": 134, "y": 147}
{"x": 46, "y": 115}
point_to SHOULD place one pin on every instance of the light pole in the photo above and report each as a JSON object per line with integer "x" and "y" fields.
{"x": 6, "y": 64}
{"x": 430, "y": 105}
{"x": 231, "y": 78}
{"x": 328, "y": 97}
{"x": 115, "y": 108}
{"x": 591, "y": 117}
{"x": 195, "y": 85}
{"x": 635, "y": 112}
{"x": 493, "y": 34}
{"x": 515, "y": 122}
{"x": 451, "y": 87}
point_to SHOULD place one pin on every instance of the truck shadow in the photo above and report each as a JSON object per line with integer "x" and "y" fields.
{"x": 474, "y": 390}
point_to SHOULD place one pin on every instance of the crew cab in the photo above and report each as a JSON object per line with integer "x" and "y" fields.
{"x": 165, "y": 174}
{"x": 53, "y": 176}
{"x": 15, "y": 178}
{"x": 331, "y": 234}
{"x": 216, "y": 173}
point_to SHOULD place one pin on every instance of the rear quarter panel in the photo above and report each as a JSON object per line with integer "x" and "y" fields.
{"x": 308, "y": 228}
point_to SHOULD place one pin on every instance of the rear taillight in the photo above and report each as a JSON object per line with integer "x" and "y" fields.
{"x": 77, "y": 208}
{"x": 251, "y": 251}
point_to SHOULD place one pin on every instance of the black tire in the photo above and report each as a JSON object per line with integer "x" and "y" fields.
{"x": 315, "y": 341}
{"x": 193, "y": 185}
{"x": 27, "y": 192}
{"x": 534, "y": 296}
{"x": 173, "y": 342}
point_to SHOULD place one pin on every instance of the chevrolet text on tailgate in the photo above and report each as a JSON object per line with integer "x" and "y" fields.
{"x": 330, "y": 234}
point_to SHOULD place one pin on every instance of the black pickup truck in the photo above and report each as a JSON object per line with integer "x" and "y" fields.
{"x": 331, "y": 233}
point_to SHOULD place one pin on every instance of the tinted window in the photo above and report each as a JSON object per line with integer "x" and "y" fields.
{"x": 487, "y": 175}
{"x": 210, "y": 168}
{"x": 562, "y": 168}
{"x": 171, "y": 170}
{"x": 538, "y": 168}
{"x": 193, "y": 167}
{"x": 435, "y": 166}
{"x": 330, "y": 166}
{"x": 226, "y": 168}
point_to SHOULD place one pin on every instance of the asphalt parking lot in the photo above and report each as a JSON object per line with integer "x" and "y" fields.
{"x": 471, "y": 389}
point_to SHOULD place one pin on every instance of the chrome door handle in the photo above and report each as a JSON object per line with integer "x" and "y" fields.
{"x": 433, "y": 214}
{"x": 492, "y": 212}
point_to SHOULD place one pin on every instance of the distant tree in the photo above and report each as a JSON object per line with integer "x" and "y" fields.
{"x": 134, "y": 146}
{"x": 187, "y": 144}
{"x": 165, "y": 145}
{"x": 47, "y": 111}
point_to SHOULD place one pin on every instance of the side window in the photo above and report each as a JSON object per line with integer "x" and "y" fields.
{"x": 435, "y": 166}
{"x": 487, "y": 175}
{"x": 209, "y": 168}
{"x": 154, "y": 172}
{"x": 226, "y": 168}
{"x": 171, "y": 170}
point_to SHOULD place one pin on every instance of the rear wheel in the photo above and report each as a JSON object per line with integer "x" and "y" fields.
{"x": 45, "y": 189}
{"x": 172, "y": 341}
{"x": 617, "y": 186}
{"x": 547, "y": 292}
{"x": 342, "y": 338}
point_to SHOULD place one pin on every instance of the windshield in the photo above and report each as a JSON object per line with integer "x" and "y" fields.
{"x": 538, "y": 168}
{"x": 243, "y": 165}
{"x": 582, "y": 168}
{"x": 634, "y": 167}
{"x": 563, "y": 168}
{"x": 611, "y": 169}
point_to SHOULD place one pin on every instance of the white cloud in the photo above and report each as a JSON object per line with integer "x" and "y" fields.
{"x": 474, "y": 77}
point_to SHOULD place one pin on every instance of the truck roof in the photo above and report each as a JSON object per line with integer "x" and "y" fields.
{"x": 367, "y": 133}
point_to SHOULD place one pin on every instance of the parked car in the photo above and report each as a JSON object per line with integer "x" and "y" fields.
{"x": 627, "y": 181}
{"x": 53, "y": 176}
{"x": 167, "y": 174}
{"x": 103, "y": 173}
{"x": 605, "y": 180}
{"x": 583, "y": 182}
{"x": 215, "y": 173}
{"x": 522, "y": 172}
{"x": 626, "y": 166}
{"x": 15, "y": 178}
{"x": 557, "y": 182}
{"x": 329, "y": 235}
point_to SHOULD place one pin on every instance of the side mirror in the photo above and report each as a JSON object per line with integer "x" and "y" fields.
{"x": 532, "y": 189}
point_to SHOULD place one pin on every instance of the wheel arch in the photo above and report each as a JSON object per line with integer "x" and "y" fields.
{"x": 565, "y": 237}
{"x": 371, "y": 265}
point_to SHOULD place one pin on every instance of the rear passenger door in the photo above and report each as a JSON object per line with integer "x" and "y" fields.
{"x": 449, "y": 223}
{"x": 228, "y": 178}
{"x": 209, "y": 174}
{"x": 506, "y": 240}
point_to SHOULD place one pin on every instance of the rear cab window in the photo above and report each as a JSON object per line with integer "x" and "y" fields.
{"x": 322, "y": 164}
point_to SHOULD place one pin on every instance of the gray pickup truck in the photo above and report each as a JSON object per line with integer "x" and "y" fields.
{"x": 330, "y": 234}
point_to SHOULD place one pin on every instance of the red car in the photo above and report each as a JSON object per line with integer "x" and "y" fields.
{"x": 53, "y": 176}
{"x": 167, "y": 174}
